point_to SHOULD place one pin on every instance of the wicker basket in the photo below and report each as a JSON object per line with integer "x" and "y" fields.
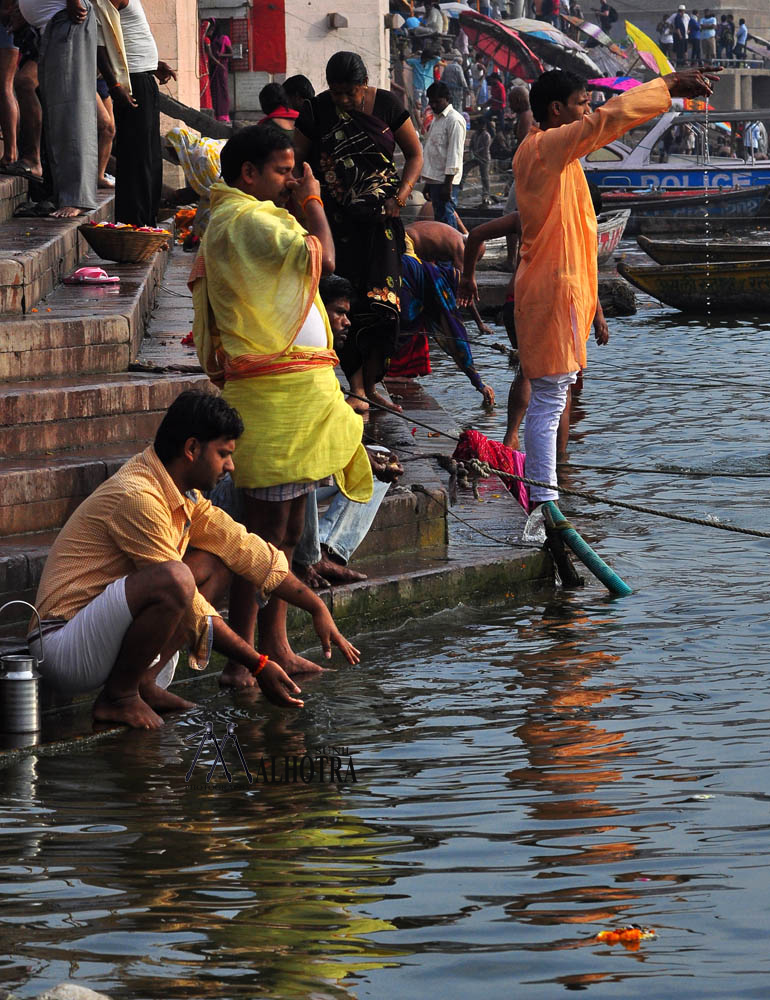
{"x": 125, "y": 246}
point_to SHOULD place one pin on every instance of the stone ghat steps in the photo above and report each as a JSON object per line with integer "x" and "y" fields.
{"x": 13, "y": 192}
{"x": 77, "y": 329}
{"x": 405, "y": 522}
{"x": 52, "y": 415}
{"x": 51, "y": 465}
{"x": 35, "y": 254}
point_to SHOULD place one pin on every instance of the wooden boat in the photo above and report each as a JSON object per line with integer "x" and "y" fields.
{"x": 677, "y": 211}
{"x": 703, "y": 251}
{"x": 609, "y": 230}
{"x": 727, "y": 286}
{"x": 610, "y": 227}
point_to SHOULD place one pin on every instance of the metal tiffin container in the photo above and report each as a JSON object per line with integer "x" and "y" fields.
{"x": 19, "y": 686}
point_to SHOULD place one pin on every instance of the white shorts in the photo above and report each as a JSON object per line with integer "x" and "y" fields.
{"x": 79, "y": 656}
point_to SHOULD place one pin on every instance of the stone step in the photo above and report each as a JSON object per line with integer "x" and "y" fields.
{"x": 76, "y": 329}
{"x": 52, "y": 415}
{"x": 13, "y": 192}
{"x": 404, "y": 522}
{"x": 35, "y": 254}
{"x": 39, "y": 492}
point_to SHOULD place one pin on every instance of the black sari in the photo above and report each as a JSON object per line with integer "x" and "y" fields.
{"x": 353, "y": 160}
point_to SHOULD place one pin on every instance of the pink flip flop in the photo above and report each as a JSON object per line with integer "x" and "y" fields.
{"x": 91, "y": 276}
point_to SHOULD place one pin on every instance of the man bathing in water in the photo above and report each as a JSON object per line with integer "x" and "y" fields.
{"x": 139, "y": 569}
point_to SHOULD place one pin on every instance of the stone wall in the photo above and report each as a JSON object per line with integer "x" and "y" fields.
{"x": 174, "y": 24}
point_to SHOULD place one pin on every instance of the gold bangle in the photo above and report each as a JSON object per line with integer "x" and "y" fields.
{"x": 400, "y": 202}
{"x": 312, "y": 197}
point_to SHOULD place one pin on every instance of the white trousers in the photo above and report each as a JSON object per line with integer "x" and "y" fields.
{"x": 546, "y": 405}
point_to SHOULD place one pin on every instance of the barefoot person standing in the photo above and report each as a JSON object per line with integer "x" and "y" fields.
{"x": 556, "y": 281}
{"x": 262, "y": 333}
{"x": 137, "y": 572}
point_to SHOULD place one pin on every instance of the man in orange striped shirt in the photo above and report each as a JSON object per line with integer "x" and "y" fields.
{"x": 137, "y": 572}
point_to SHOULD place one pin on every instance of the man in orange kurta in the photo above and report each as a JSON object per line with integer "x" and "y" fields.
{"x": 556, "y": 281}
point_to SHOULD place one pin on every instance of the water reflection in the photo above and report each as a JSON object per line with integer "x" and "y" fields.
{"x": 529, "y": 774}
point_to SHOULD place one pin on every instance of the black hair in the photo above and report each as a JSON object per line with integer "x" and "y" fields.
{"x": 200, "y": 415}
{"x": 254, "y": 144}
{"x": 555, "y": 85}
{"x": 299, "y": 86}
{"x": 438, "y": 89}
{"x": 346, "y": 68}
{"x": 333, "y": 287}
{"x": 273, "y": 96}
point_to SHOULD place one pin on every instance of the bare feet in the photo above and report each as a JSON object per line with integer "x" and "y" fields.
{"x": 162, "y": 700}
{"x": 380, "y": 400}
{"x": 105, "y": 182}
{"x": 310, "y": 577}
{"x": 336, "y": 573}
{"x": 359, "y": 405}
{"x": 130, "y": 710}
{"x": 288, "y": 659}
{"x": 67, "y": 212}
{"x": 235, "y": 675}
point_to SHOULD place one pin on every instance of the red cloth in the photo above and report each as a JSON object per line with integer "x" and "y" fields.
{"x": 412, "y": 360}
{"x": 473, "y": 444}
{"x": 281, "y": 112}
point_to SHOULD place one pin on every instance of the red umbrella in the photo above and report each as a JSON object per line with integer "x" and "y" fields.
{"x": 504, "y": 46}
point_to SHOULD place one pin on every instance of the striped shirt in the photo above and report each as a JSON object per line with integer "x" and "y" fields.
{"x": 137, "y": 518}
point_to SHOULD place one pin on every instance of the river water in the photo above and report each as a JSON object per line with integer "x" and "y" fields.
{"x": 526, "y": 775}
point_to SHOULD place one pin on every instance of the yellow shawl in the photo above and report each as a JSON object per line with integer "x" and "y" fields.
{"x": 253, "y": 282}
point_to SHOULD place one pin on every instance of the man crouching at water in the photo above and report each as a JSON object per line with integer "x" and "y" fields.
{"x": 556, "y": 281}
{"x": 137, "y": 572}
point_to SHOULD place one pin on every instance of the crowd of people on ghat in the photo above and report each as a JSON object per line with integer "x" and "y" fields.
{"x": 79, "y": 86}
{"x": 305, "y": 265}
{"x": 694, "y": 37}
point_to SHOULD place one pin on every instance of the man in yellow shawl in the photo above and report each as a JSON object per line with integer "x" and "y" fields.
{"x": 263, "y": 336}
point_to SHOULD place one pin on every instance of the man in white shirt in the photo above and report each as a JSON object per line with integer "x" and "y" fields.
{"x": 708, "y": 37}
{"x": 442, "y": 168}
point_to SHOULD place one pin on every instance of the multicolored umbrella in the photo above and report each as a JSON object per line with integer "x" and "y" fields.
{"x": 553, "y": 46}
{"x": 617, "y": 83}
{"x": 655, "y": 59}
{"x": 608, "y": 63}
{"x": 453, "y": 9}
{"x": 595, "y": 32}
{"x": 505, "y": 47}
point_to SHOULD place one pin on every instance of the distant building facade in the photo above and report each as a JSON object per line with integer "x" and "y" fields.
{"x": 275, "y": 39}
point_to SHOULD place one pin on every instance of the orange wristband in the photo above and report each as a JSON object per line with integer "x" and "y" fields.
{"x": 263, "y": 658}
{"x": 312, "y": 197}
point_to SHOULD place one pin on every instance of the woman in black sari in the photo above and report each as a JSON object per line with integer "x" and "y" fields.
{"x": 349, "y": 134}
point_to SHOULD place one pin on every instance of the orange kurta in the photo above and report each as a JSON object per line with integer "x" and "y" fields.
{"x": 556, "y": 281}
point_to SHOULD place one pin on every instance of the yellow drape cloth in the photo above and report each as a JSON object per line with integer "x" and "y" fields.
{"x": 254, "y": 282}
{"x": 112, "y": 38}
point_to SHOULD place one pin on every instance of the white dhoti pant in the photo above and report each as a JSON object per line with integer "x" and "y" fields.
{"x": 546, "y": 405}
